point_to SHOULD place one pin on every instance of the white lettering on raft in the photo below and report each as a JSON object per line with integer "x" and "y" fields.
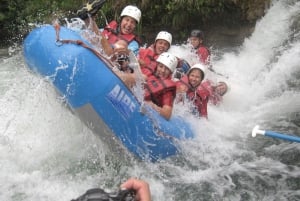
{"x": 121, "y": 100}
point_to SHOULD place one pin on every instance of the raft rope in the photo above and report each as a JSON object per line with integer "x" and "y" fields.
{"x": 79, "y": 42}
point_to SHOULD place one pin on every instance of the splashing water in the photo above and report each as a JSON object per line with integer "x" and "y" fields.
{"x": 47, "y": 153}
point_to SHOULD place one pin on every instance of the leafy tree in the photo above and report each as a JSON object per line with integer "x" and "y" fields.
{"x": 15, "y": 15}
{"x": 177, "y": 16}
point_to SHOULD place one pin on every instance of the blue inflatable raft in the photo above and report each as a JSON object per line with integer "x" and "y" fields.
{"x": 99, "y": 97}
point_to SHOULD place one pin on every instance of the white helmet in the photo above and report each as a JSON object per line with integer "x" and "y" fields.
{"x": 201, "y": 67}
{"x": 132, "y": 11}
{"x": 164, "y": 35}
{"x": 169, "y": 60}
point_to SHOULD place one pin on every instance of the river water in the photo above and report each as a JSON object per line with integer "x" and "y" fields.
{"x": 47, "y": 153}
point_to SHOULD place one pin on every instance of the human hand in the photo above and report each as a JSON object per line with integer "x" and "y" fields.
{"x": 142, "y": 62}
{"x": 141, "y": 187}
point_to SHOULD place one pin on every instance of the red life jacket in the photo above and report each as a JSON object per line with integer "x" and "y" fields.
{"x": 199, "y": 96}
{"x": 149, "y": 57}
{"x": 112, "y": 32}
{"x": 155, "y": 88}
{"x": 214, "y": 98}
{"x": 204, "y": 54}
{"x": 208, "y": 86}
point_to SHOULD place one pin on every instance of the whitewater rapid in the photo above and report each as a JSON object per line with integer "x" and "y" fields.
{"x": 47, "y": 153}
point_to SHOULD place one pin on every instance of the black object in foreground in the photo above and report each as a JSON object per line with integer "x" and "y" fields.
{"x": 98, "y": 194}
{"x": 91, "y": 7}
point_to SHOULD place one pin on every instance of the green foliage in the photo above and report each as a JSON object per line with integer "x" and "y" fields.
{"x": 176, "y": 15}
{"x": 15, "y": 15}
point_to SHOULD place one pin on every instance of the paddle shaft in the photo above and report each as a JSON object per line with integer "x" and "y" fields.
{"x": 282, "y": 136}
{"x": 212, "y": 70}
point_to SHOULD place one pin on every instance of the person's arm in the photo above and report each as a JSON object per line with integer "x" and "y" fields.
{"x": 104, "y": 42}
{"x": 203, "y": 109}
{"x": 141, "y": 187}
{"x": 180, "y": 92}
{"x": 167, "y": 105}
{"x": 106, "y": 46}
{"x": 129, "y": 79}
{"x": 165, "y": 111}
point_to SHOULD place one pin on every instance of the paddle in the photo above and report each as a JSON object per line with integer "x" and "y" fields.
{"x": 134, "y": 63}
{"x": 90, "y": 8}
{"x": 256, "y": 130}
{"x": 212, "y": 70}
{"x": 140, "y": 78}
